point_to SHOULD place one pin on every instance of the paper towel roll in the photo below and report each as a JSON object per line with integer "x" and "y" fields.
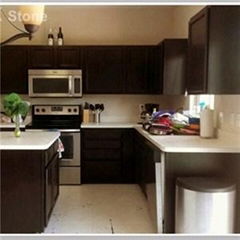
{"x": 207, "y": 123}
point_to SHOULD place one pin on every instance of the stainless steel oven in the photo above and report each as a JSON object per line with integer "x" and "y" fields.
{"x": 54, "y": 83}
{"x": 67, "y": 120}
{"x": 71, "y": 158}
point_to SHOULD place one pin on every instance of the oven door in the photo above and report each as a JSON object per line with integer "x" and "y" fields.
{"x": 71, "y": 143}
{"x": 70, "y": 170}
{"x": 50, "y": 85}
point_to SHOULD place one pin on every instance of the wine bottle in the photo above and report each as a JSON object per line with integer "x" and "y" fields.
{"x": 60, "y": 37}
{"x": 50, "y": 38}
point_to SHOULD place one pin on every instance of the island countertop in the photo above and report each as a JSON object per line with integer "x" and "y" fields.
{"x": 27, "y": 140}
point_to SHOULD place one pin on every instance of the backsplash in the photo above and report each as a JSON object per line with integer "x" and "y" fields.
{"x": 118, "y": 108}
{"x": 228, "y": 112}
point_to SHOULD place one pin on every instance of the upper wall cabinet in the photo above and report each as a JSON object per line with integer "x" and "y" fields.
{"x": 174, "y": 57}
{"x": 214, "y": 51}
{"x": 41, "y": 57}
{"x": 68, "y": 57}
{"x": 14, "y": 69}
{"x": 137, "y": 70}
{"x": 103, "y": 70}
{"x": 142, "y": 70}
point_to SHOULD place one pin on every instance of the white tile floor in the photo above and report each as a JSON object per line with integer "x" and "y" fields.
{"x": 100, "y": 208}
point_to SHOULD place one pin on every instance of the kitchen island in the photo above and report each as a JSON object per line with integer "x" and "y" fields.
{"x": 29, "y": 180}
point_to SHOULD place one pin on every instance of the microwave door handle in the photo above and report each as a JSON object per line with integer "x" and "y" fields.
{"x": 70, "y": 85}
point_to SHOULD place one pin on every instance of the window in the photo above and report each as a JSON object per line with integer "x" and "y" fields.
{"x": 195, "y": 102}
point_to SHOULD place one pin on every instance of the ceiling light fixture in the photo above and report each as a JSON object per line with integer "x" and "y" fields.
{"x": 31, "y": 17}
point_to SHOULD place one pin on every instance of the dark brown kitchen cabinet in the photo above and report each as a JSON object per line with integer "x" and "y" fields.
{"x": 137, "y": 70}
{"x": 214, "y": 51}
{"x": 29, "y": 189}
{"x": 146, "y": 155}
{"x": 14, "y": 69}
{"x": 41, "y": 57}
{"x": 107, "y": 156}
{"x": 68, "y": 57}
{"x": 52, "y": 185}
{"x": 173, "y": 70}
{"x": 103, "y": 69}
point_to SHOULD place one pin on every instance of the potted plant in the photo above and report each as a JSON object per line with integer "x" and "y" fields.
{"x": 17, "y": 109}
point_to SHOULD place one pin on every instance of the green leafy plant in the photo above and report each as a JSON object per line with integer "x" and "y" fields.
{"x": 15, "y": 108}
{"x": 13, "y": 105}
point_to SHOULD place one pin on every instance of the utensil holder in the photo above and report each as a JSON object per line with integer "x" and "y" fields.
{"x": 97, "y": 118}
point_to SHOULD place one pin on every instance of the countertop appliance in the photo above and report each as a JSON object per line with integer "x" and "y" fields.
{"x": 54, "y": 83}
{"x": 67, "y": 120}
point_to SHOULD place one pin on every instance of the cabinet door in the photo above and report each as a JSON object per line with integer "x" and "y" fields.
{"x": 137, "y": 71}
{"x": 224, "y": 50}
{"x": 68, "y": 57}
{"x": 104, "y": 70}
{"x": 41, "y": 57}
{"x": 140, "y": 162}
{"x": 155, "y": 70}
{"x": 48, "y": 193}
{"x": 52, "y": 186}
{"x": 198, "y": 37}
{"x": 174, "y": 66}
{"x": 14, "y": 69}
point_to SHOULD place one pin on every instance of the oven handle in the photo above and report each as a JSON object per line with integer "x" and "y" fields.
{"x": 69, "y": 130}
{"x": 58, "y": 130}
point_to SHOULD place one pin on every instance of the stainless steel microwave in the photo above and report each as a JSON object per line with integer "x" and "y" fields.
{"x": 54, "y": 83}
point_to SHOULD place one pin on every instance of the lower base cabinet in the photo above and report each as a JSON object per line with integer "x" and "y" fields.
{"x": 107, "y": 156}
{"x": 51, "y": 186}
{"x": 29, "y": 189}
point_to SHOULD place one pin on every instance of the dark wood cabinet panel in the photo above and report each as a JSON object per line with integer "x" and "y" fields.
{"x": 22, "y": 191}
{"x": 14, "y": 69}
{"x": 197, "y": 55}
{"x": 103, "y": 69}
{"x": 68, "y": 57}
{"x": 29, "y": 189}
{"x": 174, "y": 58}
{"x": 146, "y": 155}
{"x": 41, "y": 57}
{"x": 137, "y": 70}
{"x": 214, "y": 51}
{"x": 51, "y": 186}
{"x": 224, "y": 50}
{"x": 111, "y": 162}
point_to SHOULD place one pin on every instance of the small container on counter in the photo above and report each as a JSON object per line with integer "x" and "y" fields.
{"x": 207, "y": 123}
{"x": 86, "y": 113}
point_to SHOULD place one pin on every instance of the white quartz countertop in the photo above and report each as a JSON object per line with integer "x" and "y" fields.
{"x": 27, "y": 140}
{"x": 108, "y": 125}
{"x": 173, "y": 143}
{"x": 193, "y": 144}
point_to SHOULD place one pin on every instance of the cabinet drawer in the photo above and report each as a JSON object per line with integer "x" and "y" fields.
{"x": 49, "y": 154}
{"x": 99, "y": 134}
{"x": 103, "y": 144}
{"x": 102, "y": 154}
{"x": 101, "y": 172}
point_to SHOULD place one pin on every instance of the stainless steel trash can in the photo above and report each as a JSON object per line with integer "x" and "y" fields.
{"x": 204, "y": 205}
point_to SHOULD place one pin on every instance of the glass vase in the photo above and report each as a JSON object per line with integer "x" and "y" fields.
{"x": 17, "y": 119}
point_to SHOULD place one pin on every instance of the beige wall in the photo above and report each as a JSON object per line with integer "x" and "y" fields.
{"x": 181, "y": 16}
{"x": 103, "y": 24}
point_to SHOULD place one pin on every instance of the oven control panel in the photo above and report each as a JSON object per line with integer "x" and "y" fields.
{"x": 56, "y": 109}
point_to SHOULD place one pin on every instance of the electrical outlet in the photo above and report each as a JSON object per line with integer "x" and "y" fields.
{"x": 220, "y": 120}
{"x": 232, "y": 119}
{"x": 237, "y": 120}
